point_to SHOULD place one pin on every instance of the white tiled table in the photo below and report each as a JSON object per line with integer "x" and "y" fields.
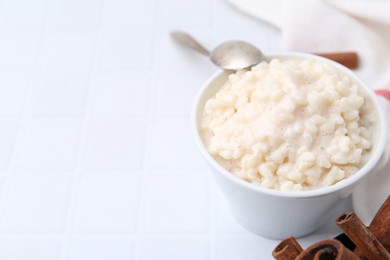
{"x": 96, "y": 156}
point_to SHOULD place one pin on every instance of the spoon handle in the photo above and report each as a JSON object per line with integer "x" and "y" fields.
{"x": 188, "y": 41}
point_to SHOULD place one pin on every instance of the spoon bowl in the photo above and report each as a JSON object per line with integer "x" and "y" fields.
{"x": 236, "y": 55}
{"x": 230, "y": 55}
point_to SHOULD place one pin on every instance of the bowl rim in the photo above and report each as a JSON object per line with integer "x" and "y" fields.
{"x": 349, "y": 182}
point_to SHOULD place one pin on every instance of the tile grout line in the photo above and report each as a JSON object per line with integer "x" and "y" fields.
{"x": 153, "y": 115}
{"x": 172, "y": 236}
{"x": 213, "y": 197}
{"x": 77, "y": 120}
{"x": 147, "y": 142}
{"x": 74, "y": 190}
{"x": 213, "y": 220}
{"x": 22, "y": 121}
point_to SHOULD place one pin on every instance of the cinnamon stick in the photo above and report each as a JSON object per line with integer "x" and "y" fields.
{"x": 367, "y": 244}
{"x": 380, "y": 225}
{"x": 327, "y": 249}
{"x": 348, "y": 59}
{"x": 288, "y": 249}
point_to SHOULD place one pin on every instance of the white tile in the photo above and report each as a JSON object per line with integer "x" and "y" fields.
{"x": 8, "y": 133}
{"x": 2, "y": 180}
{"x": 230, "y": 22}
{"x": 264, "y": 36}
{"x": 36, "y": 204}
{"x": 107, "y": 204}
{"x": 130, "y": 13}
{"x": 60, "y": 95}
{"x": 123, "y": 49}
{"x": 175, "y": 249}
{"x": 177, "y": 204}
{"x": 114, "y": 146}
{"x": 172, "y": 146}
{"x": 175, "y": 12}
{"x": 29, "y": 248}
{"x": 227, "y": 16}
{"x": 171, "y": 56}
{"x": 100, "y": 249}
{"x": 120, "y": 96}
{"x": 241, "y": 248}
{"x": 48, "y": 146}
{"x": 21, "y": 13}
{"x": 68, "y": 51}
{"x": 18, "y": 49}
{"x": 185, "y": 86}
{"x": 12, "y": 93}
{"x": 74, "y": 13}
{"x": 225, "y": 223}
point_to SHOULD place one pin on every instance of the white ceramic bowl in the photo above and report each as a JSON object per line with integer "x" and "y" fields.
{"x": 273, "y": 213}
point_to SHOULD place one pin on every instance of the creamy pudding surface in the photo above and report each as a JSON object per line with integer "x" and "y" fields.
{"x": 290, "y": 125}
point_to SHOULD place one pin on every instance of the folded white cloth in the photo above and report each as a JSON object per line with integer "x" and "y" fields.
{"x": 340, "y": 25}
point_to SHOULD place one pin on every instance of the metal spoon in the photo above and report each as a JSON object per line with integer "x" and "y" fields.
{"x": 230, "y": 55}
